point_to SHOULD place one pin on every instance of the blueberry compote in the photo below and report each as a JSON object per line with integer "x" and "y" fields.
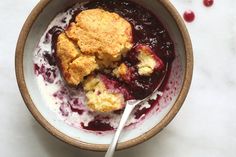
{"x": 147, "y": 30}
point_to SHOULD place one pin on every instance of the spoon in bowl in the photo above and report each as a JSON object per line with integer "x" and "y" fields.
{"x": 130, "y": 105}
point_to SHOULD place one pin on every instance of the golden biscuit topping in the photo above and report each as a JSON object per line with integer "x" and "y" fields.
{"x": 101, "y": 33}
{"x": 101, "y": 99}
{"x": 75, "y": 66}
{"x": 95, "y": 40}
{"x": 147, "y": 61}
{"x": 121, "y": 70}
{"x": 81, "y": 67}
{"x": 66, "y": 51}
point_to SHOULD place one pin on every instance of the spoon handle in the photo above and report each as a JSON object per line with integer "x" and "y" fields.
{"x": 128, "y": 109}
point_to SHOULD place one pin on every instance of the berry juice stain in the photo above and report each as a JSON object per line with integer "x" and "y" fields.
{"x": 189, "y": 16}
{"x": 97, "y": 125}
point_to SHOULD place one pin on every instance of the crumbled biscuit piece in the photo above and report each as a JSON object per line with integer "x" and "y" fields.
{"x": 74, "y": 65}
{"x": 81, "y": 67}
{"x": 123, "y": 72}
{"x": 66, "y": 51}
{"x": 96, "y": 39}
{"x": 72, "y": 32}
{"x": 101, "y": 99}
{"x": 149, "y": 61}
{"x": 101, "y": 33}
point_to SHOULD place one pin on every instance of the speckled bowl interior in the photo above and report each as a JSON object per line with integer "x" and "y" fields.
{"x": 169, "y": 104}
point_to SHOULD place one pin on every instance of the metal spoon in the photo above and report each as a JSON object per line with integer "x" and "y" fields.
{"x": 130, "y": 105}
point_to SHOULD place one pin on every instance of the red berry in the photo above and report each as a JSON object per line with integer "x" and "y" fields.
{"x": 208, "y": 3}
{"x": 189, "y": 16}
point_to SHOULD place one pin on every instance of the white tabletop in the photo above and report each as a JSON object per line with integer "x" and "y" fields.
{"x": 205, "y": 126}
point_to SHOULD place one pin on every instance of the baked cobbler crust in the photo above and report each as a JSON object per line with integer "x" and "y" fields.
{"x": 95, "y": 40}
{"x": 102, "y": 34}
{"x": 74, "y": 65}
{"x": 101, "y": 99}
{"x": 149, "y": 61}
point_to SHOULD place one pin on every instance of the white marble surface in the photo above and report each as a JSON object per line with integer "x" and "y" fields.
{"x": 205, "y": 126}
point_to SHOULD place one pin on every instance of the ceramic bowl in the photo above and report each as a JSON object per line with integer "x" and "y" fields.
{"x": 172, "y": 100}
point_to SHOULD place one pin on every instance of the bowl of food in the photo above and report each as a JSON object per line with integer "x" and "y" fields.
{"x": 79, "y": 61}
